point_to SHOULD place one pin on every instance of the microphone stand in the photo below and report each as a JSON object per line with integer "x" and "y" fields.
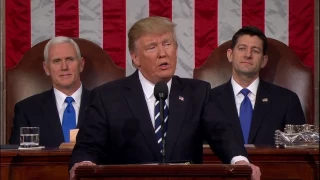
{"x": 163, "y": 153}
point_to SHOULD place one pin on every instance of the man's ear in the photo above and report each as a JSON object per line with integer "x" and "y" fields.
{"x": 229, "y": 54}
{"x": 82, "y": 62}
{"x": 264, "y": 61}
{"x": 46, "y": 70}
{"x": 135, "y": 59}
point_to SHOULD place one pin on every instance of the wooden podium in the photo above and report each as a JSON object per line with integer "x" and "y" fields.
{"x": 168, "y": 172}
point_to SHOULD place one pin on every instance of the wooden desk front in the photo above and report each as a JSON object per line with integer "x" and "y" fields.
{"x": 53, "y": 164}
{"x": 279, "y": 163}
{"x": 34, "y": 164}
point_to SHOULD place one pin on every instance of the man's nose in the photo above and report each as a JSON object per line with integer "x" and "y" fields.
{"x": 161, "y": 52}
{"x": 248, "y": 53}
{"x": 64, "y": 65}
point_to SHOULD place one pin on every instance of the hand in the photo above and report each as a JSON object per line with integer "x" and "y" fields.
{"x": 256, "y": 173}
{"x": 83, "y": 163}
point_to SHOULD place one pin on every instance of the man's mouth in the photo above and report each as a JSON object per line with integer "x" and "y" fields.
{"x": 65, "y": 75}
{"x": 164, "y": 65}
{"x": 246, "y": 62}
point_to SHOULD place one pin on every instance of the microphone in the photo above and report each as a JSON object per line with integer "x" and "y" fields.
{"x": 161, "y": 94}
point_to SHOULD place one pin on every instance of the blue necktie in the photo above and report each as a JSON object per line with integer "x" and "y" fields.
{"x": 157, "y": 123}
{"x": 245, "y": 115}
{"x": 69, "y": 119}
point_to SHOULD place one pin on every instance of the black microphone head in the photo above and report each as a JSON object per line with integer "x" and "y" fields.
{"x": 161, "y": 90}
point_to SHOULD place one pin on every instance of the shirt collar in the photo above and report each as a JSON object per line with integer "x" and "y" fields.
{"x": 253, "y": 87}
{"x": 148, "y": 87}
{"x": 60, "y": 96}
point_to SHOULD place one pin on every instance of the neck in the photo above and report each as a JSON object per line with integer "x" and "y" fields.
{"x": 69, "y": 90}
{"x": 155, "y": 80}
{"x": 244, "y": 80}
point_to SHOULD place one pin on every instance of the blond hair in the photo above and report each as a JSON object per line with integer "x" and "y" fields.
{"x": 150, "y": 25}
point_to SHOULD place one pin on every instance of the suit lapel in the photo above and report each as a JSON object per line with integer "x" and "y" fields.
{"x": 227, "y": 102}
{"x": 178, "y": 100}
{"x": 83, "y": 106}
{"x": 51, "y": 116}
{"x": 261, "y": 107}
{"x": 137, "y": 103}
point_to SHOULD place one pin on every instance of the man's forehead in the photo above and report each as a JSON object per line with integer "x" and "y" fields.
{"x": 62, "y": 46}
{"x": 247, "y": 40}
{"x": 69, "y": 54}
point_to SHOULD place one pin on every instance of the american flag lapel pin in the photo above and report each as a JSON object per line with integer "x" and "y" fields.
{"x": 181, "y": 98}
{"x": 265, "y": 100}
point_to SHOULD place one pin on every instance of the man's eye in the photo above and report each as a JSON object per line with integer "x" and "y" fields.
{"x": 256, "y": 51}
{"x": 56, "y": 60}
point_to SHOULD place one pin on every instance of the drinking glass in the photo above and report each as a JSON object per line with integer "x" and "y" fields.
{"x": 29, "y": 137}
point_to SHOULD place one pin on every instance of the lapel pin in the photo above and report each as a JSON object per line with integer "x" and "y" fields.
{"x": 265, "y": 100}
{"x": 181, "y": 98}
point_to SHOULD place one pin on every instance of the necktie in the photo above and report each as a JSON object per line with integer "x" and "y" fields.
{"x": 69, "y": 119}
{"x": 245, "y": 115}
{"x": 157, "y": 123}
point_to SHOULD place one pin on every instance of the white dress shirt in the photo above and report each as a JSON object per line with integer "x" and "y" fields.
{"x": 61, "y": 104}
{"x": 238, "y": 96}
{"x": 148, "y": 89}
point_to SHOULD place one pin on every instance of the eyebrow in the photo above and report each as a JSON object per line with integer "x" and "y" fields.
{"x": 56, "y": 58}
{"x": 167, "y": 40}
{"x": 252, "y": 46}
{"x": 59, "y": 58}
{"x": 163, "y": 41}
{"x": 151, "y": 44}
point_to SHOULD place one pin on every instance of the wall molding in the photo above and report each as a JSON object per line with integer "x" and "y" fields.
{"x": 2, "y": 75}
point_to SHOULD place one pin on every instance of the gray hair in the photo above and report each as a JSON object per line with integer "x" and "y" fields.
{"x": 58, "y": 40}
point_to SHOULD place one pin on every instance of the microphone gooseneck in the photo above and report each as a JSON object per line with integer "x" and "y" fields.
{"x": 161, "y": 94}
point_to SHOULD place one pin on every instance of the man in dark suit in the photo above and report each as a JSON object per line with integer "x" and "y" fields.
{"x": 122, "y": 118}
{"x": 271, "y": 106}
{"x": 48, "y": 110}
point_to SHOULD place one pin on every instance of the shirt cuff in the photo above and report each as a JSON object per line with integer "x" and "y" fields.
{"x": 239, "y": 158}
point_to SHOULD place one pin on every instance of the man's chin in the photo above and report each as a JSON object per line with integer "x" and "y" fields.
{"x": 166, "y": 78}
{"x": 166, "y": 73}
{"x": 249, "y": 73}
{"x": 66, "y": 85}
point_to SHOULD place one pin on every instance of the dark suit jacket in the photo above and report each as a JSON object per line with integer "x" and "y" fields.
{"x": 41, "y": 111}
{"x": 274, "y": 108}
{"x": 118, "y": 128}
